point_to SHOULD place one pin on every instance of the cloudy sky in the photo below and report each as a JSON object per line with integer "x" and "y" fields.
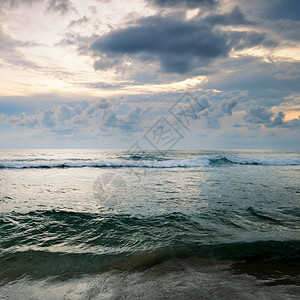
{"x": 104, "y": 73}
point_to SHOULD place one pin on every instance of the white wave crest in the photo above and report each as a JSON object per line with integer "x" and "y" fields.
{"x": 172, "y": 163}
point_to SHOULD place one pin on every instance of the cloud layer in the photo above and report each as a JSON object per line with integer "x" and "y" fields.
{"x": 240, "y": 58}
{"x": 178, "y": 45}
{"x": 95, "y": 118}
{"x": 262, "y": 116}
{"x": 188, "y": 3}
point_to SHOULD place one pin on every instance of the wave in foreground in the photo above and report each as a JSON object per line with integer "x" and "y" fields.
{"x": 39, "y": 264}
{"x": 171, "y": 163}
{"x": 67, "y": 244}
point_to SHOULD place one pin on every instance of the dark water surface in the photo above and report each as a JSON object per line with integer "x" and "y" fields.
{"x": 100, "y": 224}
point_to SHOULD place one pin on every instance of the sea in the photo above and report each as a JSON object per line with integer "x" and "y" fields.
{"x": 113, "y": 224}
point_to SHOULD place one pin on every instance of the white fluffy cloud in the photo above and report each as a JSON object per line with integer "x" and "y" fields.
{"x": 98, "y": 117}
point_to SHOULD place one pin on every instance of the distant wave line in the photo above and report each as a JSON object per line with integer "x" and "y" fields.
{"x": 171, "y": 163}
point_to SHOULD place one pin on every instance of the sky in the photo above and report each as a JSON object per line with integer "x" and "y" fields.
{"x": 150, "y": 74}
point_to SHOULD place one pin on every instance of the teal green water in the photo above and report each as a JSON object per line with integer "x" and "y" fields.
{"x": 84, "y": 222}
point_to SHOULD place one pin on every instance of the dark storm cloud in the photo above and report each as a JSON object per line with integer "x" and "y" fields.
{"x": 235, "y": 17}
{"x": 179, "y": 46}
{"x": 241, "y": 39}
{"x": 282, "y": 9}
{"x": 262, "y": 82}
{"x": 279, "y": 122}
{"x": 227, "y": 106}
{"x": 258, "y": 115}
{"x": 106, "y": 63}
{"x": 188, "y": 3}
{"x": 292, "y": 124}
{"x": 266, "y": 10}
{"x": 263, "y": 116}
{"x": 284, "y": 29}
{"x": 216, "y": 110}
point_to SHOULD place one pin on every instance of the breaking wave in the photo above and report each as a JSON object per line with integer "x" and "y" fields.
{"x": 146, "y": 163}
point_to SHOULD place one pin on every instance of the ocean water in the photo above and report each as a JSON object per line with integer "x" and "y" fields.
{"x": 109, "y": 224}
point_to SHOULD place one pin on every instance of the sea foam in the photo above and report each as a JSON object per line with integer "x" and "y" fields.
{"x": 171, "y": 163}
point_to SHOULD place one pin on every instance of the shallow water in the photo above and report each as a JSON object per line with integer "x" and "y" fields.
{"x": 100, "y": 224}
